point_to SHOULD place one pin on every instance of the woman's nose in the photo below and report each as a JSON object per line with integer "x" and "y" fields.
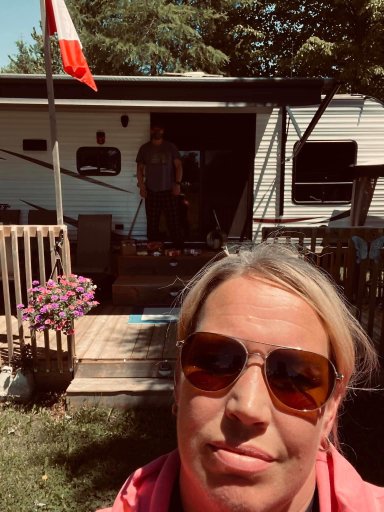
{"x": 248, "y": 400}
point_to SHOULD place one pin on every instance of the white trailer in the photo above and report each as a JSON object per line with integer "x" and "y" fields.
{"x": 237, "y": 137}
{"x": 346, "y": 142}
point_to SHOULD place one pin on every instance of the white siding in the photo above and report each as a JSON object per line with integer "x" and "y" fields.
{"x": 267, "y": 163}
{"x": 362, "y": 122}
{"x": 26, "y": 181}
{"x": 346, "y": 117}
{"x": 19, "y": 176}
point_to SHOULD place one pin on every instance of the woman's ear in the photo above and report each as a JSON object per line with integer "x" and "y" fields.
{"x": 330, "y": 415}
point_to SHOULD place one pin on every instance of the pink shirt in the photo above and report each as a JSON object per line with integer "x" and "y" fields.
{"x": 340, "y": 487}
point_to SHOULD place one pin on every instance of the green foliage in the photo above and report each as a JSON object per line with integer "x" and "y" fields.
{"x": 239, "y": 33}
{"x": 343, "y": 39}
{"x": 151, "y": 37}
{"x": 337, "y": 38}
{"x": 53, "y": 460}
{"x": 30, "y": 58}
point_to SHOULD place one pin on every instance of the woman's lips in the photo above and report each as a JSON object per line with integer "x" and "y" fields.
{"x": 243, "y": 459}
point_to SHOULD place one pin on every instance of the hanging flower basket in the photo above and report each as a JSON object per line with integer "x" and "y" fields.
{"x": 57, "y": 304}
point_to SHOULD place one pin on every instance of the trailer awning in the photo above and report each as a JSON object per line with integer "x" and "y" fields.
{"x": 256, "y": 91}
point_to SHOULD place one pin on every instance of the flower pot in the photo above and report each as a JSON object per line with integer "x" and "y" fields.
{"x": 5, "y": 381}
{"x": 18, "y": 387}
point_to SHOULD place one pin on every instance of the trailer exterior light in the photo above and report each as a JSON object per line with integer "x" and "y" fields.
{"x": 100, "y": 137}
{"x": 124, "y": 120}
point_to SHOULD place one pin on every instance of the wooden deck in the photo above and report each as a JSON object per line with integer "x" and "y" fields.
{"x": 118, "y": 363}
{"x": 107, "y": 335}
{"x": 122, "y": 364}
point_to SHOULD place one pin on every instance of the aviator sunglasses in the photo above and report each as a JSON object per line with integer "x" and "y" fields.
{"x": 301, "y": 380}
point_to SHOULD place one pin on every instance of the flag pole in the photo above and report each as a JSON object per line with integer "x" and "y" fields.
{"x": 52, "y": 115}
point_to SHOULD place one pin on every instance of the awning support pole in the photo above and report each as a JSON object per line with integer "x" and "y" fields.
{"x": 323, "y": 105}
{"x": 284, "y": 136}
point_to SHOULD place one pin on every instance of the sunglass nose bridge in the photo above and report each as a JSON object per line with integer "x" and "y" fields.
{"x": 252, "y": 355}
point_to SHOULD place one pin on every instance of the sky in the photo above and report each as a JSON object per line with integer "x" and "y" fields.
{"x": 18, "y": 17}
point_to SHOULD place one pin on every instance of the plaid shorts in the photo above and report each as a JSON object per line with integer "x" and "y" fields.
{"x": 155, "y": 204}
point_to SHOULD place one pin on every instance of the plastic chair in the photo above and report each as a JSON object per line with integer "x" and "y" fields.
{"x": 93, "y": 254}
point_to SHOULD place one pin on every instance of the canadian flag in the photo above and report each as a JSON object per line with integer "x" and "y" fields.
{"x": 74, "y": 63}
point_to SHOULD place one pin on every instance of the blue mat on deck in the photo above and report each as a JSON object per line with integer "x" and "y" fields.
{"x": 154, "y": 316}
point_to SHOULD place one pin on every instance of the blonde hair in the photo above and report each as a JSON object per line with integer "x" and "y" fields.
{"x": 351, "y": 350}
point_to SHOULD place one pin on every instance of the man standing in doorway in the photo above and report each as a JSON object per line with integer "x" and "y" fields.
{"x": 159, "y": 175}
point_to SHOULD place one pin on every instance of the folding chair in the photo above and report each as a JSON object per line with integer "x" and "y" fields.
{"x": 93, "y": 254}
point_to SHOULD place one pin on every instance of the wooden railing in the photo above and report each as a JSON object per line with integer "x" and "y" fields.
{"x": 354, "y": 258}
{"x": 29, "y": 253}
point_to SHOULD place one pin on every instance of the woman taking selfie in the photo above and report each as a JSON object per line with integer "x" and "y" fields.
{"x": 267, "y": 350}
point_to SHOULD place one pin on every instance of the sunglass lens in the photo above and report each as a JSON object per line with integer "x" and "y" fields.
{"x": 212, "y": 362}
{"x": 301, "y": 380}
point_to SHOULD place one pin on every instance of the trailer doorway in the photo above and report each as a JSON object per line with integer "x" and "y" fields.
{"x": 218, "y": 161}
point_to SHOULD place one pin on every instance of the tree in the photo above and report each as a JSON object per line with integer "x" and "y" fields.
{"x": 337, "y": 38}
{"x": 30, "y": 58}
{"x": 149, "y": 37}
{"x": 136, "y": 37}
{"x": 353, "y": 51}
{"x": 239, "y": 34}
{"x": 343, "y": 39}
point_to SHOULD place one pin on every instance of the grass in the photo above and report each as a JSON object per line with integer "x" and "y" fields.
{"x": 52, "y": 460}
{"x": 55, "y": 460}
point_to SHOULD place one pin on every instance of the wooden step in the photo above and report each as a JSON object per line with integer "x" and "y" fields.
{"x": 147, "y": 290}
{"x": 149, "y": 368}
{"x": 122, "y": 393}
{"x": 163, "y": 265}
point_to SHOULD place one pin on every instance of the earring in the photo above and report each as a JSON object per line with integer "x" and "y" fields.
{"x": 325, "y": 445}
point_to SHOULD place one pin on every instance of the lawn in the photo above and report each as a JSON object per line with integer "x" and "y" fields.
{"x": 56, "y": 460}
{"x": 53, "y": 460}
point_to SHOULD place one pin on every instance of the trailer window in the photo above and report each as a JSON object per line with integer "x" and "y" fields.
{"x": 98, "y": 161}
{"x": 322, "y": 172}
{"x": 34, "y": 145}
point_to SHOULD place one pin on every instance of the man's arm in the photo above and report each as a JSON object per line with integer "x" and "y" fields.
{"x": 140, "y": 175}
{"x": 178, "y": 176}
{"x": 178, "y": 169}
